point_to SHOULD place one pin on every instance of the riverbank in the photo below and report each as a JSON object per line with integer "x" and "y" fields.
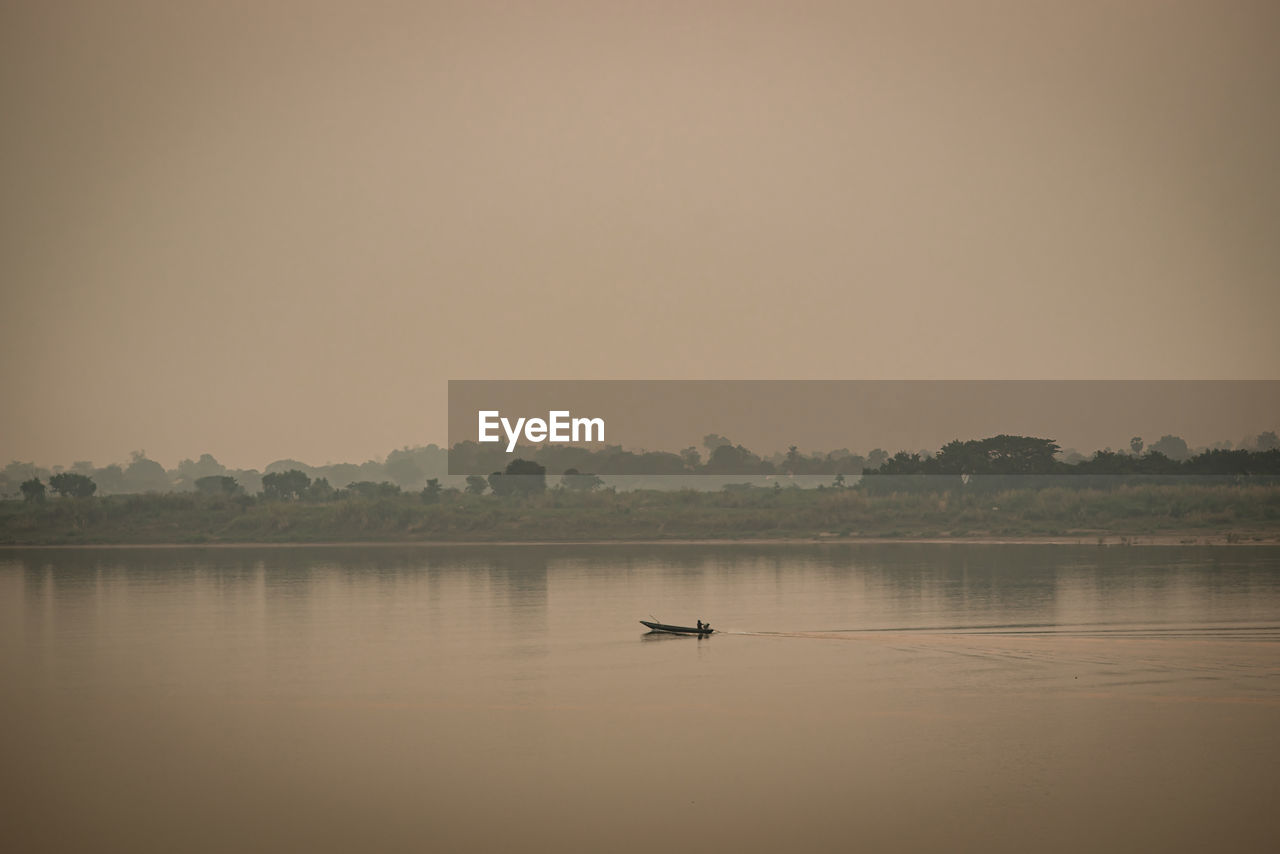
{"x": 1109, "y": 541}
{"x": 1182, "y": 514}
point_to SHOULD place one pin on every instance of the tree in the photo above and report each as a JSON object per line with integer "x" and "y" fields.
{"x": 431, "y": 492}
{"x": 840, "y": 462}
{"x": 369, "y": 489}
{"x": 735, "y": 459}
{"x": 902, "y": 463}
{"x": 250, "y": 480}
{"x": 144, "y": 475}
{"x": 476, "y": 484}
{"x": 1135, "y": 445}
{"x": 110, "y": 479}
{"x": 1001, "y": 454}
{"x": 645, "y": 462}
{"x": 711, "y": 441}
{"x": 1022, "y": 454}
{"x": 320, "y": 490}
{"x": 217, "y": 484}
{"x": 71, "y": 485}
{"x": 190, "y": 471}
{"x": 1173, "y": 447}
{"x": 32, "y": 490}
{"x": 877, "y": 458}
{"x": 284, "y": 485}
{"x": 16, "y": 471}
{"x": 521, "y": 477}
{"x": 1268, "y": 441}
{"x": 404, "y": 467}
{"x": 573, "y": 479}
{"x": 1108, "y": 461}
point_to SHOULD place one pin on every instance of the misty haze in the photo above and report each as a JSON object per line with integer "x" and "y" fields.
{"x": 933, "y": 345}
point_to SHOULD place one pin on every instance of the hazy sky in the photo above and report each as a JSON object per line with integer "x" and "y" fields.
{"x": 266, "y": 230}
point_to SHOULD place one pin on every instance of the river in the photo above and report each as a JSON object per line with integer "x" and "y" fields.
{"x": 899, "y": 697}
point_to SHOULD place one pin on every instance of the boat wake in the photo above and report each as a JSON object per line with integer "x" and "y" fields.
{"x": 1262, "y": 632}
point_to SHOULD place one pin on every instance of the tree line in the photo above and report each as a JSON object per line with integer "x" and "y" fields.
{"x": 409, "y": 468}
{"x": 1025, "y": 455}
{"x": 425, "y": 469}
{"x": 997, "y": 454}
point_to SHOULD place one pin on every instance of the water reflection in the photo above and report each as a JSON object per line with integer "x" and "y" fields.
{"x": 907, "y": 586}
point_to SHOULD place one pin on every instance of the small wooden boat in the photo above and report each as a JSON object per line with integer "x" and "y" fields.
{"x": 677, "y": 630}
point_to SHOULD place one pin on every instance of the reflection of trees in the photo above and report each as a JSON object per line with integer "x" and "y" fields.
{"x": 520, "y": 572}
{"x": 1006, "y": 577}
{"x": 883, "y": 584}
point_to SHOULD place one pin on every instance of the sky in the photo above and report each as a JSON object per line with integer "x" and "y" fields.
{"x": 277, "y": 230}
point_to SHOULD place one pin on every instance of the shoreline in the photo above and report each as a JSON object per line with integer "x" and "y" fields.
{"x": 1184, "y": 539}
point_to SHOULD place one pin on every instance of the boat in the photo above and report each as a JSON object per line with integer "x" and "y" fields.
{"x": 677, "y": 630}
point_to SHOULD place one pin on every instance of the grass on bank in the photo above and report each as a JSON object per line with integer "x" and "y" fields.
{"x": 646, "y": 515}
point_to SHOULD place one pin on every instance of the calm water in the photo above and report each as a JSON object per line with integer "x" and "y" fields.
{"x": 876, "y": 698}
